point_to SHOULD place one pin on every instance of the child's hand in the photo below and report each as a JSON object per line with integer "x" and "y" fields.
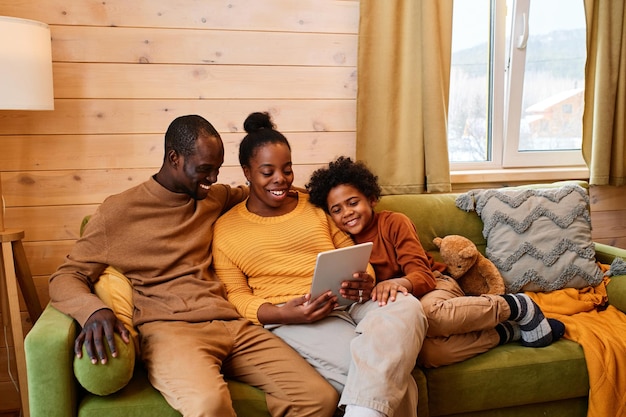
{"x": 387, "y": 291}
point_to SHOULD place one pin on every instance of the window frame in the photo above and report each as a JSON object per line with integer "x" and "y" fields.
{"x": 506, "y": 79}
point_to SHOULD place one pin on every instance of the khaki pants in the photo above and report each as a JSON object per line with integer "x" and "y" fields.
{"x": 187, "y": 363}
{"x": 459, "y": 326}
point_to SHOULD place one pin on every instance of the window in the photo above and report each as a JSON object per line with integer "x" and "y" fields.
{"x": 517, "y": 83}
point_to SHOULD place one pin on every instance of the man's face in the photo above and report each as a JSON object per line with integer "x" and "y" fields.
{"x": 197, "y": 172}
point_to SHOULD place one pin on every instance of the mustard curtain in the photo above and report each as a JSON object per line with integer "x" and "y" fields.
{"x": 402, "y": 100}
{"x": 605, "y": 92}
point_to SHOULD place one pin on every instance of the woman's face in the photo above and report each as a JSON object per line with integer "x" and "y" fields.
{"x": 270, "y": 175}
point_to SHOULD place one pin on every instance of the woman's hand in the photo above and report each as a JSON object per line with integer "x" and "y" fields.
{"x": 359, "y": 289}
{"x": 387, "y": 290}
{"x": 298, "y": 310}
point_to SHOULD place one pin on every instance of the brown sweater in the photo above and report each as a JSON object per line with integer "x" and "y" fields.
{"x": 398, "y": 252}
{"x": 161, "y": 241}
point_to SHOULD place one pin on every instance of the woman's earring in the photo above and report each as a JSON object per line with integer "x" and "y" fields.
{"x": 247, "y": 183}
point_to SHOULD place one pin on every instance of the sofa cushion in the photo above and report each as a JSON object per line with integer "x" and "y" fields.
{"x": 539, "y": 238}
{"x": 510, "y": 375}
{"x": 139, "y": 398}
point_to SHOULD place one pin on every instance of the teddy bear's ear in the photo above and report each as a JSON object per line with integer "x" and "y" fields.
{"x": 467, "y": 252}
{"x": 437, "y": 241}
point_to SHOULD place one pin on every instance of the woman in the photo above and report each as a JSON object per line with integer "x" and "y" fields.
{"x": 264, "y": 252}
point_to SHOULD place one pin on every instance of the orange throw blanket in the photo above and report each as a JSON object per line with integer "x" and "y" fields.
{"x": 602, "y": 334}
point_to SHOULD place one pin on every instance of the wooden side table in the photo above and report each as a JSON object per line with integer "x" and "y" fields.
{"x": 15, "y": 270}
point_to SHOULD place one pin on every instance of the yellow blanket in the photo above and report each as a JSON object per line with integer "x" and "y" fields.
{"x": 601, "y": 331}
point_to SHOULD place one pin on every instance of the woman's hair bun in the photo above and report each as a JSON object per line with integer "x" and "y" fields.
{"x": 258, "y": 120}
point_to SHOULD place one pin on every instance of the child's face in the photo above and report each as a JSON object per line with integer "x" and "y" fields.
{"x": 351, "y": 211}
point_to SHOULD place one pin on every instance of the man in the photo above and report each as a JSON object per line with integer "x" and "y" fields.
{"x": 159, "y": 235}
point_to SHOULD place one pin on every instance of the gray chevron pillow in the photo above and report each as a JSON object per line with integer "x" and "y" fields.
{"x": 539, "y": 239}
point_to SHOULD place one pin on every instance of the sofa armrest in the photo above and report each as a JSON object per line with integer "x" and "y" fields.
{"x": 617, "y": 287}
{"x": 49, "y": 347}
{"x": 606, "y": 253}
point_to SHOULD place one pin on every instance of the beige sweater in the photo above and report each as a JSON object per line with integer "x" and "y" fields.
{"x": 162, "y": 242}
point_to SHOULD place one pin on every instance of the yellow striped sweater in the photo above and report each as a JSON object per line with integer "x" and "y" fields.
{"x": 271, "y": 259}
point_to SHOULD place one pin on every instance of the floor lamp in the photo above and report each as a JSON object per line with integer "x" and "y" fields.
{"x": 25, "y": 84}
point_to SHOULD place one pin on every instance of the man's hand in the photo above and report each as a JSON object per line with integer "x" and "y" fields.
{"x": 101, "y": 323}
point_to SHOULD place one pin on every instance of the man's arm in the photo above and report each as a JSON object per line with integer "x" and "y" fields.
{"x": 235, "y": 196}
{"x": 71, "y": 292}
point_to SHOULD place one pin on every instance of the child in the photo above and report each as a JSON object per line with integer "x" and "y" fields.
{"x": 459, "y": 326}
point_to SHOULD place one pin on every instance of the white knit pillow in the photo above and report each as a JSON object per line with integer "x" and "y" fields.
{"x": 539, "y": 238}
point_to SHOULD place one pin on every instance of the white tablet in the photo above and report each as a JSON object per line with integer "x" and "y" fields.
{"x": 338, "y": 265}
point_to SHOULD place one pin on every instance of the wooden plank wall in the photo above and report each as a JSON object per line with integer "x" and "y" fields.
{"x": 608, "y": 215}
{"x": 124, "y": 69}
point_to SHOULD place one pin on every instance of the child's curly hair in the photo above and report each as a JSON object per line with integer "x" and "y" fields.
{"x": 342, "y": 171}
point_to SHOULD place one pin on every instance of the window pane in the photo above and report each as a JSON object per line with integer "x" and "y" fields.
{"x": 552, "y": 103}
{"x": 468, "y": 113}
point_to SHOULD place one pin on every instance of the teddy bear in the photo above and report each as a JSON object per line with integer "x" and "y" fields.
{"x": 475, "y": 274}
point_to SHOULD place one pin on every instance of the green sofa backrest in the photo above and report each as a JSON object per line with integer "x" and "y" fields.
{"x": 436, "y": 215}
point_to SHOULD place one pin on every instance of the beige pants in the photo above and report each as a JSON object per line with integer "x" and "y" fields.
{"x": 459, "y": 326}
{"x": 367, "y": 352}
{"x": 187, "y": 363}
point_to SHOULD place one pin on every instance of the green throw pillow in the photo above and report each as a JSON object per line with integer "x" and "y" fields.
{"x": 106, "y": 379}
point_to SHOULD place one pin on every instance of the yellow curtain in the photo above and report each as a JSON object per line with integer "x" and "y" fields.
{"x": 402, "y": 101}
{"x": 605, "y": 92}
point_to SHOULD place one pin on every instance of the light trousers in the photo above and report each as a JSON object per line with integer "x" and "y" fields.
{"x": 187, "y": 363}
{"x": 367, "y": 352}
{"x": 459, "y": 326}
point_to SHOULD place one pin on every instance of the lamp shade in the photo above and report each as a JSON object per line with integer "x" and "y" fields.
{"x": 25, "y": 65}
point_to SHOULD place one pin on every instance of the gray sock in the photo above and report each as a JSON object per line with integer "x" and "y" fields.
{"x": 509, "y": 331}
{"x": 534, "y": 327}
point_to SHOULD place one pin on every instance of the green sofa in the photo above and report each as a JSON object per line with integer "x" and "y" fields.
{"x": 509, "y": 380}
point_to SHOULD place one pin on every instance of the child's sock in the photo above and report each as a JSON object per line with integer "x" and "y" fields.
{"x": 558, "y": 329}
{"x": 358, "y": 411}
{"x": 509, "y": 331}
{"x": 534, "y": 327}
